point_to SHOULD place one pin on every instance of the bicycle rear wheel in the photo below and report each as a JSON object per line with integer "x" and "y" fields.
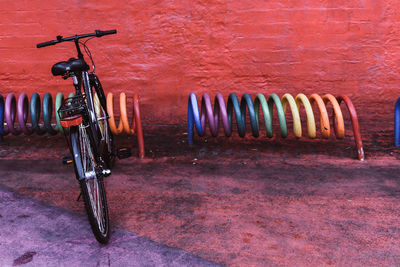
{"x": 92, "y": 187}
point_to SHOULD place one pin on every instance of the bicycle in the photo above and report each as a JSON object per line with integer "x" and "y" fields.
{"x": 85, "y": 121}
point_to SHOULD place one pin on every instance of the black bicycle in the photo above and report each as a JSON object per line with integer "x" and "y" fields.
{"x": 85, "y": 121}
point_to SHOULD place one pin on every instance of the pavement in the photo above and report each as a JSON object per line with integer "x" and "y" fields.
{"x": 34, "y": 233}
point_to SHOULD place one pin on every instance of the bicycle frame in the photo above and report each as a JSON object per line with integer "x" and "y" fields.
{"x": 89, "y": 119}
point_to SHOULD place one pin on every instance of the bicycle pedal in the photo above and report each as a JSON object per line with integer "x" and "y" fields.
{"x": 106, "y": 172}
{"x": 124, "y": 152}
{"x": 67, "y": 160}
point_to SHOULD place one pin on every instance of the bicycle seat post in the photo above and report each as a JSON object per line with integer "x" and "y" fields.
{"x": 76, "y": 81}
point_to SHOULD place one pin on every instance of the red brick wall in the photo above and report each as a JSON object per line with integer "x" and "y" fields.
{"x": 166, "y": 49}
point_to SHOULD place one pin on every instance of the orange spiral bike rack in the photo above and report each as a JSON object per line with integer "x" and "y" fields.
{"x": 263, "y": 105}
{"x": 123, "y": 125}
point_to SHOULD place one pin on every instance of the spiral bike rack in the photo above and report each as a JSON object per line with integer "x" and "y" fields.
{"x": 197, "y": 118}
{"x": 396, "y": 123}
{"x": 123, "y": 125}
{"x": 11, "y": 109}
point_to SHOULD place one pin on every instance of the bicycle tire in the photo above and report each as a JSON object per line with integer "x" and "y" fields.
{"x": 97, "y": 212}
{"x": 109, "y": 153}
{"x": 109, "y": 157}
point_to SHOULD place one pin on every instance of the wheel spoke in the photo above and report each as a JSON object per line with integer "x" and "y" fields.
{"x": 93, "y": 188}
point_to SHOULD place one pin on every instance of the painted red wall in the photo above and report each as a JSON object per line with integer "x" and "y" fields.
{"x": 166, "y": 49}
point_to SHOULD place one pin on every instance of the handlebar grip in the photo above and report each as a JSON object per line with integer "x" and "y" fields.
{"x": 46, "y": 44}
{"x": 102, "y": 33}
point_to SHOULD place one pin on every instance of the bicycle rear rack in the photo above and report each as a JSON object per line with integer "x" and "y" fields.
{"x": 70, "y": 112}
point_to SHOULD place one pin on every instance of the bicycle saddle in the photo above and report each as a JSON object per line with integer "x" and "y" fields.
{"x": 72, "y": 65}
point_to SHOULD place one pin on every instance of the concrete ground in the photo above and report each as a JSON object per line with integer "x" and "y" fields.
{"x": 38, "y": 234}
{"x": 236, "y": 202}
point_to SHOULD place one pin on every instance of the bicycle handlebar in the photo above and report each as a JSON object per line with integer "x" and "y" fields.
{"x": 60, "y": 39}
{"x": 46, "y": 44}
{"x": 102, "y": 33}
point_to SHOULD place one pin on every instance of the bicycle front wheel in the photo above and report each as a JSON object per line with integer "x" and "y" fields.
{"x": 92, "y": 186}
{"x": 106, "y": 136}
